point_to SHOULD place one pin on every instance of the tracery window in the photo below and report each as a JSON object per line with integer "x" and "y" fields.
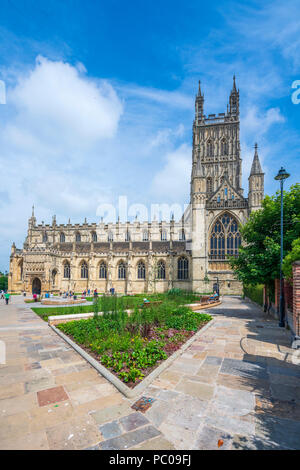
{"x": 62, "y": 238}
{"x": 161, "y": 270}
{"x": 110, "y": 236}
{"x": 224, "y": 147}
{"x": 45, "y": 237}
{"x": 163, "y": 235}
{"x": 225, "y": 238}
{"x": 145, "y": 236}
{"x": 210, "y": 149}
{"x": 127, "y": 236}
{"x": 102, "y": 270}
{"x": 94, "y": 236}
{"x": 209, "y": 185}
{"x": 141, "y": 272}
{"x": 122, "y": 270}
{"x": 84, "y": 270}
{"x": 67, "y": 270}
{"x": 183, "y": 268}
{"x": 78, "y": 237}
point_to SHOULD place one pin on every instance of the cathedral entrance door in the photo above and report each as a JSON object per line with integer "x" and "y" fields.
{"x": 36, "y": 286}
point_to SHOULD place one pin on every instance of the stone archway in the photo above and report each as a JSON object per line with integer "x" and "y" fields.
{"x": 36, "y": 286}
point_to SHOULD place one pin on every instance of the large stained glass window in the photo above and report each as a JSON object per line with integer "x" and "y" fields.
{"x": 225, "y": 238}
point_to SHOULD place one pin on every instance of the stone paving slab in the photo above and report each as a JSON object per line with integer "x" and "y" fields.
{"x": 110, "y": 430}
{"x": 133, "y": 421}
{"x": 130, "y": 439}
{"x": 236, "y": 384}
{"x": 211, "y": 438}
{"x": 51, "y": 395}
{"x": 244, "y": 368}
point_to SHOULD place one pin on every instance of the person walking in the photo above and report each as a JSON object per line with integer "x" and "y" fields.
{"x": 6, "y": 298}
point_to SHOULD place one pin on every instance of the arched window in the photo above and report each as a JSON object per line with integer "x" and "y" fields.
{"x": 225, "y": 238}
{"x": 224, "y": 147}
{"x": 84, "y": 270}
{"x": 183, "y": 268}
{"x": 122, "y": 270}
{"x": 209, "y": 185}
{"x": 67, "y": 270}
{"x": 210, "y": 149}
{"x": 161, "y": 270}
{"x": 62, "y": 238}
{"x": 181, "y": 235}
{"x": 54, "y": 272}
{"x": 163, "y": 235}
{"x": 141, "y": 271}
{"x": 78, "y": 237}
{"x": 45, "y": 237}
{"x": 102, "y": 270}
{"x": 110, "y": 236}
{"x": 94, "y": 237}
{"x": 145, "y": 236}
{"x": 127, "y": 236}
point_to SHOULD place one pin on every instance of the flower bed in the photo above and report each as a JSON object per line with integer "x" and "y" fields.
{"x": 132, "y": 346}
{"x": 114, "y": 303}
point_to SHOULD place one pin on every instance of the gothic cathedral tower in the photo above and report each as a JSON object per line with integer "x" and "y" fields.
{"x": 217, "y": 200}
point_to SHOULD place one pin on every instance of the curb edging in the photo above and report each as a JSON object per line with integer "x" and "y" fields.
{"x": 129, "y": 392}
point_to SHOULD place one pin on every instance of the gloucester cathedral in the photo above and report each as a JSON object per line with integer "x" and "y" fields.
{"x": 136, "y": 257}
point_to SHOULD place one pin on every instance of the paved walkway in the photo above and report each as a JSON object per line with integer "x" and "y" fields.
{"x": 236, "y": 383}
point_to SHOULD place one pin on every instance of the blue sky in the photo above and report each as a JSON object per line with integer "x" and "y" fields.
{"x": 100, "y": 99}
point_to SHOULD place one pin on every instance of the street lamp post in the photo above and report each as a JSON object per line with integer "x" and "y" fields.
{"x": 281, "y": 176}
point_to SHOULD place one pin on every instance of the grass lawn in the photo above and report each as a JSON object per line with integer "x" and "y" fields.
{"x": 45, "y": 312}
{"x": 132, "y": 346}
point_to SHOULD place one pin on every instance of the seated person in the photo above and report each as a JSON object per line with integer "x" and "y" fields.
{"x": 214, "y": 296}
{"x": 146, "y": 301}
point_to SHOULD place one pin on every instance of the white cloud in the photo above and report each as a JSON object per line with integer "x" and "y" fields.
{"x": 60, "y": 107}
{"x": 165, "y": 136}
{"x": 258, "y": 122}
{"x": 56, "y": 122}
{"x": 171, "y": 183}
{"x": 275, "y": 25}
{"x": 175, "y": 99}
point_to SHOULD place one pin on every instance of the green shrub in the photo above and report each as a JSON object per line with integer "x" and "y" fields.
{"x": 255, "y": 293}
{"x": 174, "y": 291}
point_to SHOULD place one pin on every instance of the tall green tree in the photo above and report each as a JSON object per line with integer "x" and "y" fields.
{"x": 258, "y": 261}
{"x": 293, "y": 255}
{"x": 3, "y": 282}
